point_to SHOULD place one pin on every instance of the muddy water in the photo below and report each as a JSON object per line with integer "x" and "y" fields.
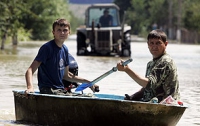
{"x": 14, "y": 63}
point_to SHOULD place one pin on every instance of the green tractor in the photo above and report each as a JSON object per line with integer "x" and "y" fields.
{"x": 103, "y": 34}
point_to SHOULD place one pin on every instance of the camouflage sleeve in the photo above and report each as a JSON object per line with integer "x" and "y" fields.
{"x": 162, "y": 80}
{"x": 158, "y": 75}
{"x": 171, "y": 83}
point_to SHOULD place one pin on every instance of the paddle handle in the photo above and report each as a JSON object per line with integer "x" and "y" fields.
{"x": 127, "y": 62}
{"x": 114, "y": 69}
{"x": 103, "y": 76}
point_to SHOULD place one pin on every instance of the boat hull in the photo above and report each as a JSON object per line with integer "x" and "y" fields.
{"x": 100, "y": 110}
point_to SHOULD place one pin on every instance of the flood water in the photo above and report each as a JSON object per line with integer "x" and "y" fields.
{"x": 14, "y": 63}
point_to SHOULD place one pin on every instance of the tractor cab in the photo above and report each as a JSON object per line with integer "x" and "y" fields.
{"x": 103, "y": 34}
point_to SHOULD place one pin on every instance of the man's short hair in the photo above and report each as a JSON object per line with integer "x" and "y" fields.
{"x": 157, "y": 33}
{"x": 105, "y": 11}
{"x": 61, "y": 22}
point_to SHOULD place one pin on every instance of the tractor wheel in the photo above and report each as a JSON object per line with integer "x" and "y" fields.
{"x": 126, "y": 45}
{"x": 126, "y": 53}
{"x": 81, "y": 44}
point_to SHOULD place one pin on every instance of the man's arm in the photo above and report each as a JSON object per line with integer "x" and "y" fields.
{"x": 29, "y": 76}
{"x": 72, "y": 78}
{"x": 142, "y": 81}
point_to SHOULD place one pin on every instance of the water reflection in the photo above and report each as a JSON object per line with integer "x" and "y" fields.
{"x": 187, "y": 57}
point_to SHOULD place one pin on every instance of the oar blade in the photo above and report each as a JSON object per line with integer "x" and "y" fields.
{"x": 83, "y": 86}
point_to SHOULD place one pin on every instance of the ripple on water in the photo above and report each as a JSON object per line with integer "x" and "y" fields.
{"x": 187, "y": 58}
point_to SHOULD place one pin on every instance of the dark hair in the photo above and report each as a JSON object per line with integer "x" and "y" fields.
{"x": 157, "y": 33}
{"x": 61, "y": 22}
{"x": 106, "y": 11}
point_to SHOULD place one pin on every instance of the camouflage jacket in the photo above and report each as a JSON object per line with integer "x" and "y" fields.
{"x": 163, "y": 79}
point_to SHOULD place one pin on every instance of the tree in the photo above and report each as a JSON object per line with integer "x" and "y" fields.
{"x": 3, "y": 22}
{"x": 192, "y": 16}
{"x": 123, "y": 5}
{"x": 11, "y": 11}
{"x": 42, "y": 15}
{"x": 137, "y": 15}
{"x": 143, "y": 13}
{"x": 26, "y": 15}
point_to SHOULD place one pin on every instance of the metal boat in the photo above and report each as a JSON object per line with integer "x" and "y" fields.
{"x": 94, "y": 110}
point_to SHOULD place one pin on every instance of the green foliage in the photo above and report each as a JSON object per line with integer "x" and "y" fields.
{"x": 192, "y": 16}
{"x": 10, "y": 14}
{"x": 43, "y": 13}
{"x": 143, "y": 13}
{"x": 34, "y": 16}
{"x": 158, "y": 12}
{"x": 24, "y": 35}
{"x": 137, "y": 15}
{"x": 124, "y": 5}
{"x": 75, "y": 22}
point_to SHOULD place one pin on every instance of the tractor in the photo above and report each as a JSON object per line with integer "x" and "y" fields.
{"x": 98, "y": 38}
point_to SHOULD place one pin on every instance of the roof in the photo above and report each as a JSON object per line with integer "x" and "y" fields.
{"x": 90, "y": 1}
{"x": 104, "y": 5}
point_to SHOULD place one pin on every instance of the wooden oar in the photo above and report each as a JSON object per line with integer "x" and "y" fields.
{"x": 114, "y": 69}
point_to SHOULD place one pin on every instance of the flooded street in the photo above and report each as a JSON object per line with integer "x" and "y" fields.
{"x": 187, "y": 57}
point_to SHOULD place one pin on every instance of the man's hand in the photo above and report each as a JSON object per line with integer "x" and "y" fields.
{"x": 120, "y": 67}
{"x": 95, "y": 88}
{"x": 30, "y": 90}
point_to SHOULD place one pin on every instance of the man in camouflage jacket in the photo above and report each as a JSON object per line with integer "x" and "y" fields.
{"x": 161, "y": 78}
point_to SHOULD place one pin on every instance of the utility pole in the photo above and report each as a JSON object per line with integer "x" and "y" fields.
{"x": 179, "y": 16}
{"x": 170, "y": 2}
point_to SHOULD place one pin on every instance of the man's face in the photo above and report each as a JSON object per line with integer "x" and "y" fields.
{"x": 156, "y": 47}
{"x": 106, "y": 13}
{"x": 61, "y": 33}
